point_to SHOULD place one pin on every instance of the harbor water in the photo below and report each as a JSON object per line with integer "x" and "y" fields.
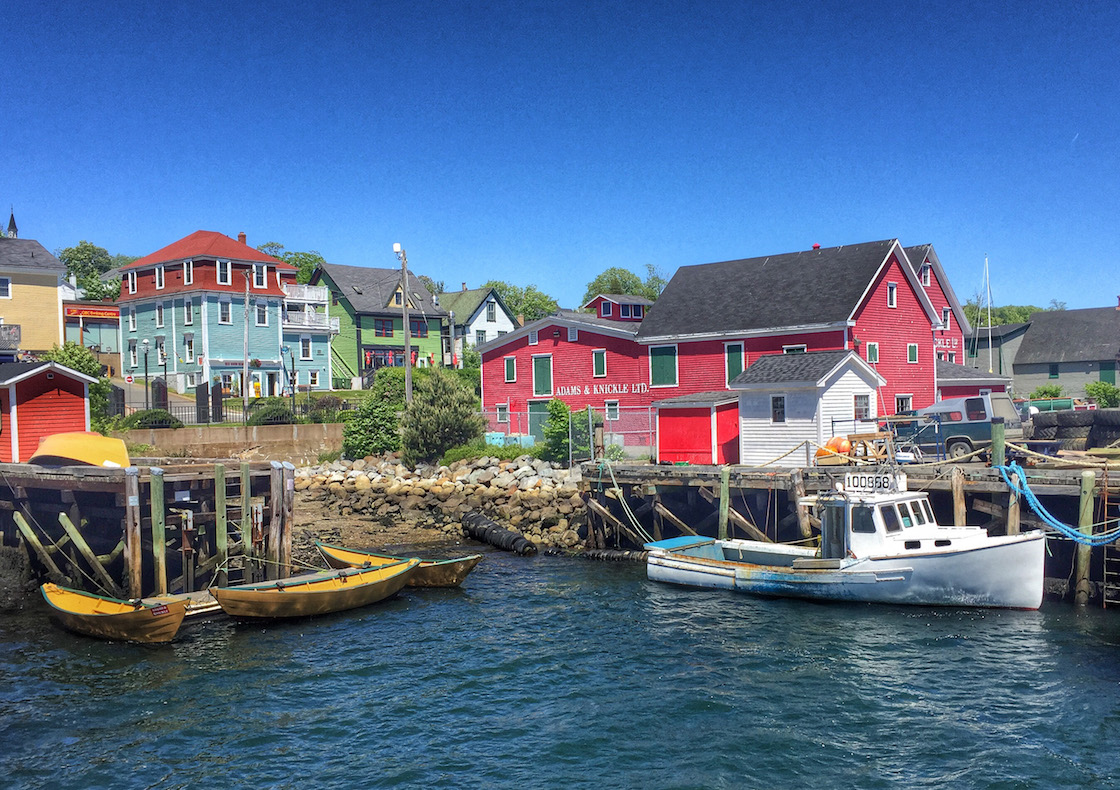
{"x": 551, "y": 672}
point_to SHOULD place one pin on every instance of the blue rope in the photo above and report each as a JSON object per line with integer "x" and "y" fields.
{"x": 1024, "y": 490}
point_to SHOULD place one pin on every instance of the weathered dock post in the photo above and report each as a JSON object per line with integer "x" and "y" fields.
{"x": 797, "y": 481}
{"x": 289, "y": 518}
{"x": 960, "y": 509}
{"x": 159, "y": 528}
{"x": 247, "y": 551}
{"x": 999, "y": 451}
{"x": 1013, "y": 508}
{"x": 275, "y": 521}
{"x": 1085, "y": 525}
{"x": 221, "y": 538}
{"x": 724, "y": 497}
{"x": 133, "y": 539}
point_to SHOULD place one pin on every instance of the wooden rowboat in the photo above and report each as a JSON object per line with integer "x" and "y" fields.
{"x": 315, "y": 593}
{"x": 112, "y": 618}
{"x": 81, "y": 448}
{"x": 431, "y": 573}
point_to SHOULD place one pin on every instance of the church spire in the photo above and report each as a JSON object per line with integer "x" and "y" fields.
{"x": 13, "y": 231}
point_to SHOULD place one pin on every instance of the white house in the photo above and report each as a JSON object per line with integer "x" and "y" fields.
{"x": 475, "y": 316}
{"x": 786, "y": 399}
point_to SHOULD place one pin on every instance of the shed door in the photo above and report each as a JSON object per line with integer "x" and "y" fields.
{"x": 538, "y": 414}
{"x": 1108, "y": 372}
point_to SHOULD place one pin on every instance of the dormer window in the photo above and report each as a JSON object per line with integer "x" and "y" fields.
{"x": 132, "y": 282}
{"x": 606, "y": 309}
{"x": 224, "y": 273}
{"x": 398, "y": 300}
{"x": 624, "y": 311}
{"x": 260, "y": 275}
{"x": 637, "y": 311}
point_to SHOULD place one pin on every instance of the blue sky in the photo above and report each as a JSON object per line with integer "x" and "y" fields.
{"x": 542, "y": 142}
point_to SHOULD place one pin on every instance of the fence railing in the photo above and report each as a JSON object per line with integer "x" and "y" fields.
{"x": 631, "y": 429}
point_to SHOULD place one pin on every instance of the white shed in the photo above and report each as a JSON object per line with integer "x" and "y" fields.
{"x": 786, "y": 399}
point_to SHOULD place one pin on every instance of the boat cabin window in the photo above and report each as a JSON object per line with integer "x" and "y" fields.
{"x": 833, "y": 540}
{"x": 919, "y": 516}
{"x": 904, "y": 513}
{"x": 863, "y": 520}
{"x": 929, "y": 514}
{"x": 890, "y": 518}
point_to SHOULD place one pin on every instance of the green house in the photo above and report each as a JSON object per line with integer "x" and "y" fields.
{"x": 370, "y": 304}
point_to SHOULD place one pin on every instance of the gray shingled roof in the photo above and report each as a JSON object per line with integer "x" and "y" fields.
{"x": 810, "y": 287}
{"x": 1089, "y": 335}
{"x": 997, "y": 331}
{"x": 952, "y": 373}
{"x": 791, "y": 368}
{"x": 709, "y": 398}
{"x": 594, "y": 320}
{"x": 369, "y": 290}
{"x": 28, "y": 254}
{"x": 627, "y": 298}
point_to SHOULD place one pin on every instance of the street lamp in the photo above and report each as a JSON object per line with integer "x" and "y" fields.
{"x": 145, "y": 343}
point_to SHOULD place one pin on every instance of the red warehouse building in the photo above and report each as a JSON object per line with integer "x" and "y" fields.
{"x": 38, "y": 399}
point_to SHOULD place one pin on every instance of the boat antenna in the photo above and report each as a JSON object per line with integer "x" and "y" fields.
{"x": 988, "y": 289}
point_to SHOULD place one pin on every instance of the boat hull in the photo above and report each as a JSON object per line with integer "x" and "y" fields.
{"x": 1006, "y": 572}
{"x": 314, "y": 594}
{"x": 430, "y": 573}
{"x": 114, "y": 619}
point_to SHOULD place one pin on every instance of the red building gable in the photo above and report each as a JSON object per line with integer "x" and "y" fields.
{"x": 618, "y": 307}
{"x": 49, "y": 399}
{"x": 192, "y": 264}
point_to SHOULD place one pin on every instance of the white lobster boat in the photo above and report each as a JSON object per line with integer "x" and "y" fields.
{"x": 879, "y": 543}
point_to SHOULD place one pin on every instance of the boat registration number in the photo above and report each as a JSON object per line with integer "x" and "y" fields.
{"x": 159, "y": 610}
{"x": 874, "y": 483}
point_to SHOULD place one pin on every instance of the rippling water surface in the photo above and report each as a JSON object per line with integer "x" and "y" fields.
{"x": 548, "y": 672}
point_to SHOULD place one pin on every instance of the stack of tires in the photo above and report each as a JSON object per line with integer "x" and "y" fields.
{"x": 1073, "y": 428}
{"x": 1106, "y": 427}
{"x": 1045, "y": 426}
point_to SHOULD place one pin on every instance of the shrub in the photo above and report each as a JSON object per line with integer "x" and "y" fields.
{"x": 273, "y": 414}
{"x": 1106, "y": 395}
{"x": 1046, "y": 391}
{"x": 479, "y": 449}
{"x": 150, "y": 418}
{"x": 371, "y": 429}
{"x": 388, "y": 384}
{"x": 442, "y": 415}
{"x": 81, "y": 359}
{"x": 556, "y": 442}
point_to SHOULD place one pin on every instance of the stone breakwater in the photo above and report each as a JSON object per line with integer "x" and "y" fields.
{"x": 535, "y": 498}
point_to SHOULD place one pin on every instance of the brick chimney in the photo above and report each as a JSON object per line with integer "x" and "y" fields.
{"x": 816, "y": 246}
{"x": 464, "y": 286}
{"x": 241, "y": 237}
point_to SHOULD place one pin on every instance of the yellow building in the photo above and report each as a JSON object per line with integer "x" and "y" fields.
{"x": 30, "y": 296}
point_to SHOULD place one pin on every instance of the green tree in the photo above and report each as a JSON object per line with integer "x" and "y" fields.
{"x": 1046, "y": 391}
{"x": 434, "y": 286}
{"x": 85, "y": 259}
{"x": 1106, "y": 395}
{"x": 443, "y": 414}
{"x": 305, "y": 262}
{"x": 81, "y": 359}
{"x": 617, "y": 280}
{"x": 374, "y": 429}
{"x": 528, "y": 302}
{"x": 1008, "y": 314}
{"x": 556, "y": 442}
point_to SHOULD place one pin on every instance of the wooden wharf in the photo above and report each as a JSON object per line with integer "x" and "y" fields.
{"x": 151, "y": 530}
{"x": 629, "y": 504}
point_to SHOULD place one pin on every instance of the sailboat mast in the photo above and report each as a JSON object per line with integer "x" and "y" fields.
{"x": 988, "y": 288}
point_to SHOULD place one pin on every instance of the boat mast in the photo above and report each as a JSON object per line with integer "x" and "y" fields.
{"x": 988, "y": 289}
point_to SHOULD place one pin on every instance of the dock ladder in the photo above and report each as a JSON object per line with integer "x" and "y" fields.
{"x": 1110, "y": 592}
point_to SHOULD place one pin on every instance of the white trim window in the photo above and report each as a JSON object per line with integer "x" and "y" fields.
{"x": 313, "y": 378}
{"x": 132, "y": 319}
{"x": 161, "y": 351}
{"x": 501, "y": 413}
{"x": 946, "y": 317}
{"x": 912, "y": 353}
{"x": 873, "y": 353}
{"x": 638, "y": 311}
{"x": 131, "y": 282}
{"x": 159, "y": 277}
{"x": 132, "y": 358}
{"x": 261, "y": 312}
{"x": 491, "y": 312}
{"x": 159, "y": 315}
{"x": 734, "y": 359}
{"x": 664, "y": 367}
{"x": 610, "y": 410}
{"x": 861, "y": 407}
{"x": 479, "y": 337}
{"x": 188, "y": 311}
{"x": 607, "y": 309}
{"x": 188, "y": 272}
{"x": 624, "y": 311}
{"x": 5, "y": 287}
{"x": 305, "y": 347}
{"x": 573, "y": 335}
{"x": 599, "y": 363}
{"x": 260, "y": 275}
{"x": 926, "y": 269}
{"x": 511, "y": 370}
{"x": 798, "y": 348}
{"x": 225, "y": 272}
{"x": 892, "y": 295}
{"x": 188, "y": 347}
{"x": 225, "y": 311}
{"x": 542, "y": 375}
{"x": 533, "y": 337}
{"x": 903, "y": 402}
{"x": 777, "y": 409}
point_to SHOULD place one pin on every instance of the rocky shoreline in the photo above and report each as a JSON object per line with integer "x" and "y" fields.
{"x": 535, "y": 498}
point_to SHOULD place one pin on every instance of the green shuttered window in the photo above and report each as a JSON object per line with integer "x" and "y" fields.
{"x": 663, "y": 366}
{"x": 542, "y": 375}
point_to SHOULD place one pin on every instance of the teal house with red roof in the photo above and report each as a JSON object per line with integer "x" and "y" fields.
{"x": 188, "y": 309}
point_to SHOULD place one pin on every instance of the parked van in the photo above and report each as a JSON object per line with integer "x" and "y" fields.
{"x": 964, "y": 424}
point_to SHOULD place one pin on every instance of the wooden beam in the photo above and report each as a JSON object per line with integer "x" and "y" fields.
{"x": 797, "y": 492}
{"x": 609, "y": 516}
{"x": 737, "y": 518}
{"x": 724, "y": 497}
{"x": 33, "y": 540}
{"x": 960, "y": 509}
{"x": 276, "y": 523}
{"x": 133, "y": 542}
{"x": 159, "y": 529}
{"x": 91, "y": 558}
{"x": 288, "y": 507}
{"x": 1013, "y": 510}
{"x": 672, "y": 519}
{"x": 1000, "y": 512}
{"x": 221, "y": 537}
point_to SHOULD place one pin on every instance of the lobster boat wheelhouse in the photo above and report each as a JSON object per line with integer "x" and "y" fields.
{"x": 879, "y": 543}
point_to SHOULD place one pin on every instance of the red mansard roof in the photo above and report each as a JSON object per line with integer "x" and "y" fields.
{"x": 206, "y": 244}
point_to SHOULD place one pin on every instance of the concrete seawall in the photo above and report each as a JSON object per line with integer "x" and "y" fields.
{"x": 299, "y": 444}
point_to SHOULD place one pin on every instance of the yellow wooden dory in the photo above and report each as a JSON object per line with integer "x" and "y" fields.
{"x": 112, "y": 618}
{"x": 80, "y": 448}
{"x": 431, "y": 573}
{"x": 315, "y": 593}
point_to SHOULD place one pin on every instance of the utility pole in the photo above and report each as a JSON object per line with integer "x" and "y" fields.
{"x": 399, "y": 250}
{"x": 245, "y": 362}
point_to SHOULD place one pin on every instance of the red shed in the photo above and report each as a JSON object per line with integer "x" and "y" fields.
{"x": 701, "y": 428}
{"x": 38, "y": 399}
